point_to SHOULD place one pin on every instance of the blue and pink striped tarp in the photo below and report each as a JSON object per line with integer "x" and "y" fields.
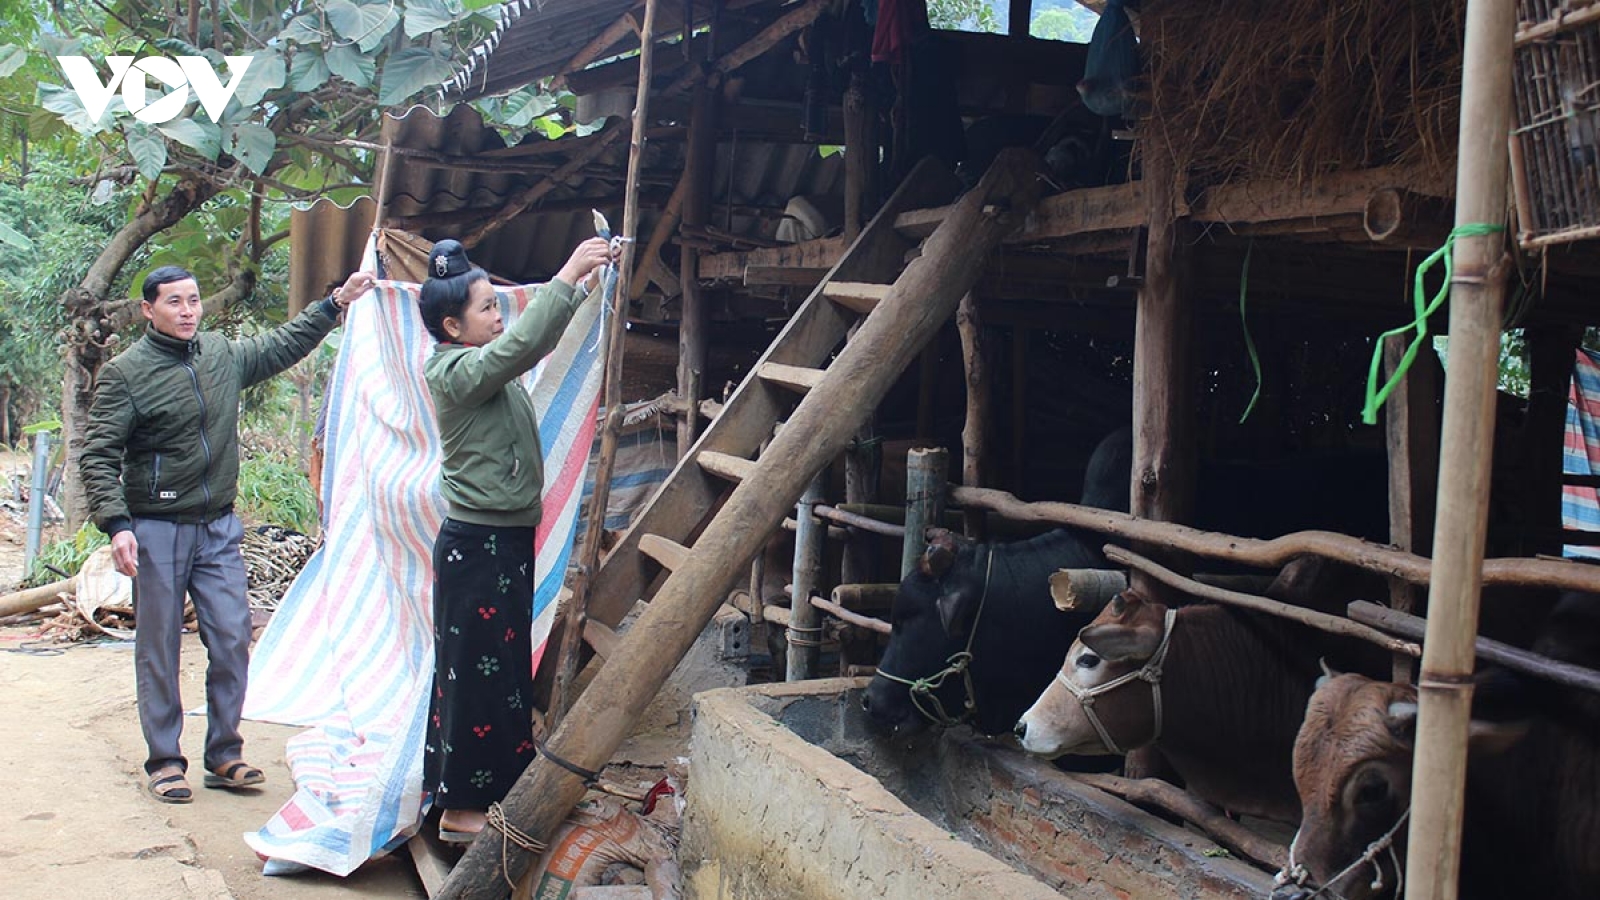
{"x": 1580, "y": 506}
{"x": 350, "y": 651}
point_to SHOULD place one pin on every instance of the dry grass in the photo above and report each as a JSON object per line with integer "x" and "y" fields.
{"x": 1295, "y": 88}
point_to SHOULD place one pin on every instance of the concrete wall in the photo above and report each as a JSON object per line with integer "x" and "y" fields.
{"x": 775, "y": 811}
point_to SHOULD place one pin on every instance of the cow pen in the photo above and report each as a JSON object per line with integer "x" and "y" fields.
{"x": 843, "y": 350}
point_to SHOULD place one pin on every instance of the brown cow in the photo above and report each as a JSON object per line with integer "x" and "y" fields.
{"x": 1533, "y": 785}
{"x": 1219, "y": 691}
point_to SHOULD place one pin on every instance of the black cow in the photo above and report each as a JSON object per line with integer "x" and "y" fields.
{"x": 975, "y": 634}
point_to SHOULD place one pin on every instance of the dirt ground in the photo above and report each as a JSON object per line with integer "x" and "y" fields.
{"x": 78, "y": 824}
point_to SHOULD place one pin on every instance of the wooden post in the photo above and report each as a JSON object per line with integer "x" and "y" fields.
{"x": 974, "y": 433}
{"x": 1411, "y": 425}
{"x": 926, "y": 469}
{"x": 701, "y": 153}
{"x": 1021, "y": 14}
{"x": 805, "y": 624}
{"x": 571, "y": 647}
{"x": 1477, "y": 298}
{"x": 920, "y": 301}
{"x": 1019, "y": 406}
{"x": 1163, "y": 442}
{"x": 1550, "y": 360}
{"x": 861, "y": 470}
{"x": 860, "y": 155}
{"x": 928, "y": 391}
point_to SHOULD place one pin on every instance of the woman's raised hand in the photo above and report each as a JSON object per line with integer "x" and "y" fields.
{"x": 586, "y": 257}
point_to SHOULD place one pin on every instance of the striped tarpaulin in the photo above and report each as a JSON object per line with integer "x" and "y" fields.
{"x": 1580, "y": 507}
{"x": 350, "y": 650}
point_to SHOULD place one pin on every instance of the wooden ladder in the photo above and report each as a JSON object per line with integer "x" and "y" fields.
{"x": 870, "y": 281}
{"x": 707, "y": 533}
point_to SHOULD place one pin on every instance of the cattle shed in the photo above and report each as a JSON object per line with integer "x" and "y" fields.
{"x": 852, "y": 241}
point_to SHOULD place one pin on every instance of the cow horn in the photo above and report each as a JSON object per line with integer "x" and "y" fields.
{"x": 1328, "y": 672}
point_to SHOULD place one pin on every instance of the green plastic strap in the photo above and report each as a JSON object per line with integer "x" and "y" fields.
{"x": 1424, "y": 308}
{"x": 1249, "y": 342}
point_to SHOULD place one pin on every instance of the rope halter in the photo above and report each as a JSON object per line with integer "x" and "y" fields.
{"x": 1295, "y": 873}
{"x": 1149, "y": 672}
{"x": 923, "y": 695}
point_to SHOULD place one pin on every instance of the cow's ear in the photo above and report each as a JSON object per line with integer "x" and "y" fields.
{"x": 1492, "y": 738}
{"x": 1402, "y": 722}
{"x": 955, "y": 611}
{"x": 1119, "y": 643}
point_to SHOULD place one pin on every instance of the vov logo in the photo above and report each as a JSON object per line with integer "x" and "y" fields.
{"x": 179, "y": 75}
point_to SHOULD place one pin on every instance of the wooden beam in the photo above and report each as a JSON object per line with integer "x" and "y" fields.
{"x": 821, "y": 253}
{"x": 626, "y": 24}
{"x": 1163, "y": 398}
{"x": 1411, "y": 431}
{"x": 600, "y": 637}
{"x": 975, "y": 432}
{"x": 695, "y": 318}
{"x": 783, "y": 276}
{"x": 1413, "y": 627}
{"x": 860, "y": 155}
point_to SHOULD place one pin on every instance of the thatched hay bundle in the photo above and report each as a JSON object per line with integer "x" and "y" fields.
{"x": 1294, "y": 88}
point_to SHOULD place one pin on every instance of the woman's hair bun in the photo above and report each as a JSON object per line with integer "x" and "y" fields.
{"x": 448, "y": 259}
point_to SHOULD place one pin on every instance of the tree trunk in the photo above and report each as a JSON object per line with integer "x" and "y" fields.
{"x": 92, "y": 337}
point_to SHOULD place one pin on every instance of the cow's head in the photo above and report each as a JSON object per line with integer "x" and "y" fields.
{"x": 932, "y": 620}
{"x": 1121, "y": 640}
{"x": 1352, "y": 769}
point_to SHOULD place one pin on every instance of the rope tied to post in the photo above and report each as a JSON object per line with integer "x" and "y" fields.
{"x": 1424, "y": 308}
{"x": 511, "y": 834}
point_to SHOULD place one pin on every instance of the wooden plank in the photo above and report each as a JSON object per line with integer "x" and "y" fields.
{"x": 669, "y": 553}
{"x": 600, "y": 637}
{"x": 726, "y": 466}
{"x": 791, "y": 276}
{"x": 1411, "y": 427}
{"x": 431, "y": 859}
{"x": 795, "y": 378}
{"x": 857, "y": 296}
{"x": 820, "y": 427}
{"x": 821, "y": 253}
{"x": 1334, "y": 194}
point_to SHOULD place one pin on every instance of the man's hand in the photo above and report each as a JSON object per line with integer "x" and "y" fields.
{"x": 125, "y": 553}
{"x": 357, "y": 284}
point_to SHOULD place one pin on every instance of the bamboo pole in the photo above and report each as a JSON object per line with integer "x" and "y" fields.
{"x": 863, "y": 523}
{"x": 805, "y": 626}
{"x": 1277, "y": 551}
{"x": 921, "y": 299}
{"x": 1477, "y": 296}
{"x": 925, "y": 481}
{"x": 27, "y": 601}
{"x": 577, "y": 603}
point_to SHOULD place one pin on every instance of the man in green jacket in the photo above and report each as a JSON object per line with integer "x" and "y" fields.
{"x": 160, "y": 467}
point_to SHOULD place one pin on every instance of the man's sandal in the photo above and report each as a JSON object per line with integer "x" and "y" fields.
{"x": 236, "y": 774}
{"x": 173, "y": 788}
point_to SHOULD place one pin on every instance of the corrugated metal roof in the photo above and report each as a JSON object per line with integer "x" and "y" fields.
{"x": 751, "y": 183}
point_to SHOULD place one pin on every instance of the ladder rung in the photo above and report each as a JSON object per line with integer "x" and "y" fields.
{"x": 919, "y": 223}
{"x": 668, "y": 552}
{"x": 797, "y": 378}
{"x": 724, "y": 465}
{"x": 600, "y": 636}
{"x": 857, "y": 295}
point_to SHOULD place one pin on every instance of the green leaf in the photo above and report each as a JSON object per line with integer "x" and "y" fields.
{"x": 424, "y": 16}
{"x": 11, "y": 59}
{"x": 479, "y": 4}
{"x": 550, "y": 126}
{"x": 11, "y": 237}
{"x": 204, "y": 138}
{"x": 367, "y": 24}
{"x": 308, "y": 71}
{"x": 267, "y": 73}
{"x": 348, "y": 63}
{"x": 46, "y": 425}
{"x": 176, "y": 47}
{"x": 304, "y": 29}
{"x": 252, "y": 145}
{"x": 147, "y": 147}
{"x": 827, "y": 150}
{"x": 64, "y": 102}
{"x": 522, "y": 107}
{"x": 412, "y": 71}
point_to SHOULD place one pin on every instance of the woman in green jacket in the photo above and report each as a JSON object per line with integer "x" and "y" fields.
{"x": 480, "y": 734}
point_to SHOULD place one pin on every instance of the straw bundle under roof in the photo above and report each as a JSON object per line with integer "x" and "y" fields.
{"x": 1294, "y": 88}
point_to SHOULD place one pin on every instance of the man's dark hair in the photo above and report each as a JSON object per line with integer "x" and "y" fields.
{"x": 445, "y": 298}
{"x": 164, "y": 275}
